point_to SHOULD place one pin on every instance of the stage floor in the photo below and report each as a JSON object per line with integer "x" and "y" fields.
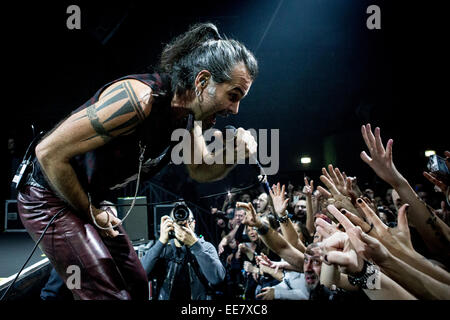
{"x": 14, "y": 250}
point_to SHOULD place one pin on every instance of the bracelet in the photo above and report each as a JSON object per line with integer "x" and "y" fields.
{"x": 262, "y": 230}
{"x": 368, "y": 278}
{"x": 283, "y": 219}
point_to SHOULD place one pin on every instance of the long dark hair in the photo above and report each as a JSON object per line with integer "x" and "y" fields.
{"x": 202, "y": 47}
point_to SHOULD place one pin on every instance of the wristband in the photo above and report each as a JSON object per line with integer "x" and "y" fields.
{"x": 368, "y": 278}
{"x": 262, "y": 230}
{"x": 283, "y": 219}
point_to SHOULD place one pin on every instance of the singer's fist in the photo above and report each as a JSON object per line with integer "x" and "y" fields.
{"x": 246, "y": 145}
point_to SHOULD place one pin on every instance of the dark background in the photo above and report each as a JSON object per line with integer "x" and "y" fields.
{"x": 322, "y": 73}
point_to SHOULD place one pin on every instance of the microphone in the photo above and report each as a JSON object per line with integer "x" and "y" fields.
{"x": 262, "y": 177}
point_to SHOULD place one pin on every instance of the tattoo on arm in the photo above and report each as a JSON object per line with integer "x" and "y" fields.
{"x": 432, "y": 221}
{"x": 130, "y": 104}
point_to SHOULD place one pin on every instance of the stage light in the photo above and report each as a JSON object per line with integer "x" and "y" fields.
{"x": 305, "y": 160}
{"x": 429, "y": 153}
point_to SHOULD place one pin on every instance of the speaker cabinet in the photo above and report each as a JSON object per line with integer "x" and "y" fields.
{"x": 136, "y": 225}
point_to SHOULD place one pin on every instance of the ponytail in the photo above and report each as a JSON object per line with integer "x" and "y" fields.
{"x": 186, "y": 43}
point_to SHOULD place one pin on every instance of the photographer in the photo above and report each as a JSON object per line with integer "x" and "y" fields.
{"x": 190, "y": 264}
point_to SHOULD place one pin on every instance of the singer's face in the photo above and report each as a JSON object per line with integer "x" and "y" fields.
{"x": 223, "y": 98}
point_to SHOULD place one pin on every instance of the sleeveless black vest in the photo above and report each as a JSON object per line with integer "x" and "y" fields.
{"x": 115, "y": 164}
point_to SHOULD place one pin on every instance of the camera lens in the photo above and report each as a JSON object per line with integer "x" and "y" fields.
{"x": 181, "y": 212}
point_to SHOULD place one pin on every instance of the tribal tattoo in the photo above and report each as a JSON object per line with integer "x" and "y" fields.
{"x": 130, "y": 104}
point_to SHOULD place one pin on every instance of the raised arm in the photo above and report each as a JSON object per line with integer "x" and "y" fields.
{"x": 308, "y": 190}
{"x": 415, "y": 282}
{"x": 121, "y": 107}
{"x": 273, "y": 240}
{"x": 434, "y": 232}
{"x": 287, "y": 228}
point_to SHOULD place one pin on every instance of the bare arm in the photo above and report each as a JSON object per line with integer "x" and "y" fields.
{"x": 309, "y": 215}
{"x": 390, "y": 290}
{"x": 287, "y": 228}
{"x": 418, "y": 283}
{"x": 291, "y": 235}
{"x": 117, "y": 112}
{"x": 434, "y": 232}
{"x": 232, "y": 233}
{"x": 398, "y": 240}
{"x": 272, "y": 239}
{"x": 275, "y": 242}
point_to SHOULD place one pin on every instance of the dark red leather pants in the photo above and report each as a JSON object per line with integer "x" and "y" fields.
{"x": 110, "y": 268}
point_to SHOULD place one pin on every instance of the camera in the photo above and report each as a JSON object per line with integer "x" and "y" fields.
{"x": 180, "y": 213}
{"x": 437, "y": 165}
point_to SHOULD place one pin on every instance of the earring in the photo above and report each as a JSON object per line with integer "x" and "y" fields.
{"x": 198, "y": 94}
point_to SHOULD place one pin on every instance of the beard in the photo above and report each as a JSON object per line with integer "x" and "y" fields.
{"x": 311, "y": 285}
{"x": 209, "y": 122}
{"x": 210, "y": 103}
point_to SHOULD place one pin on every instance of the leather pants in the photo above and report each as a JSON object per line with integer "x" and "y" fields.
{"x": 109, "y": 267}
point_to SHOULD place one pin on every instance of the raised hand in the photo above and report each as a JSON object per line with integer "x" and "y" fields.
{"x": 380, "y": 159}
{"x": 251, "y": 218}
{"x": 308, "y": 189}
{"x": 397, "y": 240}
{"x": 326, "y": 229}
{"x": 279, "y": 202}
{"x": 365, "y": 246}
{"x": 338, "y": 199}
{"x": 166, "y": 226}
{"x": 338, "y": 249}
{"x": 337, "y": 178}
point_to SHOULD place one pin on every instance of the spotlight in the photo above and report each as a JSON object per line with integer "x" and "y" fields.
{"x": 305, "y": 160}
{"x": 429, "y": 153}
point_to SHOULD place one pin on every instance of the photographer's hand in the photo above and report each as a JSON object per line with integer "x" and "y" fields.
{"x": 166, "y": 227}
{"x": 185, "y": 235}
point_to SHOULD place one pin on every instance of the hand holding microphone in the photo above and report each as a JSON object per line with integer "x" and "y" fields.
{"x": 245, "y": 145}
{"x": 243, "y": 140}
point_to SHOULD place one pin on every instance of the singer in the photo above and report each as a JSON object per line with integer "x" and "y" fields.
{"x": 122, "y": 134}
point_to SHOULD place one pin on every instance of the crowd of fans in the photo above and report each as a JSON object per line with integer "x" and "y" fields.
{"x": 336, "y": 241}
{"x": 309, "y": 242}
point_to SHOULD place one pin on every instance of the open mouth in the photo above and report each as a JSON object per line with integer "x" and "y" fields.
{"x": 223, "y": 113}
{"x": 310, "y": 278}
